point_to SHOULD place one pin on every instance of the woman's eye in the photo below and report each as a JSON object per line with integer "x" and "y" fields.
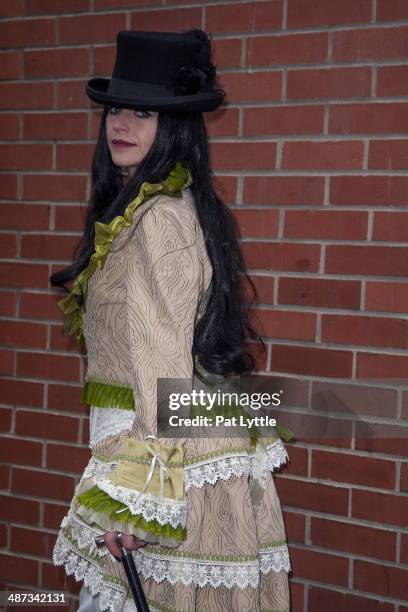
{"x": 145, "y": 114}
{"x": 113, "y": 110}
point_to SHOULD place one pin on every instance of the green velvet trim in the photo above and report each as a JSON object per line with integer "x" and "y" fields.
{"x": 178, "y": 179}
{"x": 98, "y": 500}
{"x": 107, "y": 395}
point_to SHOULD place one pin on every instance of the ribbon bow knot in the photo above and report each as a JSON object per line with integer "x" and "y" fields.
{"x": 164, "y": 472}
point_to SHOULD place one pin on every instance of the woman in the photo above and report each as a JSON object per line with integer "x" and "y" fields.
{"x": 157, "y": 294}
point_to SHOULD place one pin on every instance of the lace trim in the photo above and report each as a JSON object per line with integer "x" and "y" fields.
{"x": 84, "y": 535}
{"x": 209, "y": 572}
{"x": 211, "y": 469}
{"x": 171, "y": 511}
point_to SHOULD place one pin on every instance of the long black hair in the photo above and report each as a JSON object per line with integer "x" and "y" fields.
{"x": 220, "y": 334}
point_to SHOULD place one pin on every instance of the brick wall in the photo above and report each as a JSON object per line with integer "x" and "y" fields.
{"x": 311, "y": 154}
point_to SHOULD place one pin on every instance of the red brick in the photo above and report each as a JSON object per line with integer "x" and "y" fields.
{"x": 404, "y": 477}
{"x": 326, "y": 224}
{"x": 282, "y": 256}
{"x": 26, "y": 95}
{"x": 24, "y": 216}
{"x": 167, "y": 20}
{"x": 4, "y": 476}
{"x": 388, "y": 154}
{"x": 352, "y": 468}
{"x": 53, "y": 126}
{"x": 297, "y": 595}
{"x": 226, "y": 52}
{"x": 370, "y": 43}
{"x": 35, "y": 7}
{"x": 243, "y": 155}
{"x": 354, "y": 399}
{"x": 39, "y": 305}
{"x": 5, "y": 420}
{"x": 91, "y": 28}
{"x": 312, "y": 361}
{"x": 101, "y": 4}
{"x": 368, "y": 118}
{"x": 390, "y": 227}
{"x": 8, "y": 186}
{"x": 44, "y": 365}
{"x": 404, "y": 548}
{"x": 71, "y": 218}
{"x": 27, "y": 32}
{"x": 85, "y": 431}
{"x": 19, "y": 510}
{"x": 32, "y": 542}
{"x": 71, "y": 94}
{"x": 21, "y": 392}
{"x": 389, "y": 368}
{"x": 42, "y": 484}
{"x": 392, "y": 81}
{"x": 251, "y": 17}
{"x": 46, "y": 425}
{"x": 377, "y": 260}
{"x": 67, "y": 62}
{"x": 226, "y": 187}
{"x": 23, "y": 334}
{"x": 365, "y": 330}
{"x": 265, "y": 288}
{"x": 11, "y": 64}
{"x": 21, "y": 452}
{"x": 391, "y": 10}
{"x": 8, "y": 245}
{"x": 23, "y": 275}
{"x": 75, "y": 156}
{"x": 19, "y": 569}
{"x": 257, "y": 223}
{"x": 42, "y": 187}
{"x": 53, "y": 515}
{"x": 10, "y": 126}
{"x": 369, "y": 190}
{"x": 244, "y": 86}
{"x": 382, "y": 579}
{"x": 48, "y": 246}
{"x": 288, "y": 324}
{"x": 6, "y": 362}
{"x": 328, "y": 83}
{"x": 284, "y": 190}
{"x": 224, "y": 122}
{"x": 104, "y": 60}
{"x": 322, "y": 155}
{"x": 12, "y": 8}
{"x": 313, "y": 565}
{"x": 382, "y": 438}
{"x": 8, "y": 303}
{"x": 355, "y": 539}
{"x": 302, "y": 14}
{"x": 314, "y": 429}
{"x": 283, "y": 120}
{"x": 298, "y": 461}
{"x": 287, "y": 49}
{"x": 323, "y": 599}
{"x": 26, "y": 156}
{"x": 67, "y": 458}
{"x": 65, "y": 398}
{"x": 295, "y": 525}
{"x": 323, "y": 292}
{"x": 386, "y": 296}
{"x": 56, "y": 579}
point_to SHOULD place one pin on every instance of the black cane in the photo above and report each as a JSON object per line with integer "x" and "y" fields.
{"x": 131, "y": 573}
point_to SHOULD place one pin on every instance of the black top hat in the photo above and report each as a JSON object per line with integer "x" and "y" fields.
{"x": 168, "y": 71}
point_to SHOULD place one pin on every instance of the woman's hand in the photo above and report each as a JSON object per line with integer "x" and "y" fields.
{"x": 130, "y": 542}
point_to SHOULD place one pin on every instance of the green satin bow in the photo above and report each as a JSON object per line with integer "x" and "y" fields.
{"x": 179, "y": 178}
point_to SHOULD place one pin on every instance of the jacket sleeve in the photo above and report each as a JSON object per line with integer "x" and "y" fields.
{"x": 164, "y": 284}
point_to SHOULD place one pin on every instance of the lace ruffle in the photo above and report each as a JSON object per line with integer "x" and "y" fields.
{"x": 170, "y": 511}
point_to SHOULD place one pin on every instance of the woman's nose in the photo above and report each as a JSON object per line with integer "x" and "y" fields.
{"x": 120, "y": 122}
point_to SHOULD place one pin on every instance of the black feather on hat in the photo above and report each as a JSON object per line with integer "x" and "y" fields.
{"x": 169, "y": 71}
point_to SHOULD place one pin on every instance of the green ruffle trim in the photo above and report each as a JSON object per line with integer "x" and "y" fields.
{"x": 178, "y": 179}
{"x": 105, "y": 395}
{"x": 98, "y": 500}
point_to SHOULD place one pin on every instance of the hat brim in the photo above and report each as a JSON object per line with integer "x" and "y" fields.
{"x": 96, "y": 90}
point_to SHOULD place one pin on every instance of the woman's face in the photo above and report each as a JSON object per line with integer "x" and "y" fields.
{"x": 130, "y": 134}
